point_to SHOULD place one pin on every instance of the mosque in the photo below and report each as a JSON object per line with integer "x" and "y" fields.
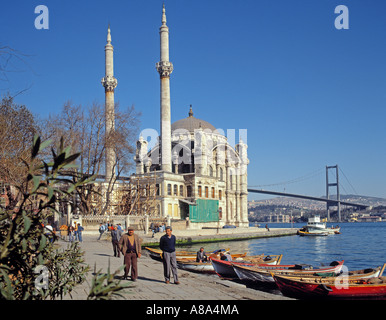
{"x": 199, "y": 177}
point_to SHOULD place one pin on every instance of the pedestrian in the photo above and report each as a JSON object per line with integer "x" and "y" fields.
{"x": 70, "y": 233}
{"x": 115, "y": 242}
{"x": 102, "y": 229}
{"x": 75, "y": 231}
{"x": 266, "y": 227}
{"x": 168, "y": 246}
{"x": 49, "y": 232}
{"x": 80, "y": 229}
{"x": 130, "y": 246}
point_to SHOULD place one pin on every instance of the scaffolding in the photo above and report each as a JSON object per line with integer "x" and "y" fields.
{"x": 139, "y": 196}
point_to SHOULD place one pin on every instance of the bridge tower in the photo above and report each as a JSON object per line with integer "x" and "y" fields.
{"x": 332, "y": 184}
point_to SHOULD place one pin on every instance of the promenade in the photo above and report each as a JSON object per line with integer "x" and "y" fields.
{"x": 150, "y": 284}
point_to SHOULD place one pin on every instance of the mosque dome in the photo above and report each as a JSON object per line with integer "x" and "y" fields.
{"x": 192, "y": 123}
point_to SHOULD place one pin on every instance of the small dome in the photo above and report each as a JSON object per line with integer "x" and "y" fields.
{"x": 191, "y": 123}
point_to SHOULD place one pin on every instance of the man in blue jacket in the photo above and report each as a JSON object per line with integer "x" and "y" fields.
{"x": 167, "y": 244}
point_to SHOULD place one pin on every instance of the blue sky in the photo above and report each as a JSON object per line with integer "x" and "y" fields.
{"x": 308, "y": 94}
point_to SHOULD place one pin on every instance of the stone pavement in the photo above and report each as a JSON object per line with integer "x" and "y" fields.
{"x": 150, "y": 284}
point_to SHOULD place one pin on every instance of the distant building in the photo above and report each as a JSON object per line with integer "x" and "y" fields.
{"x": 368, "y": 218}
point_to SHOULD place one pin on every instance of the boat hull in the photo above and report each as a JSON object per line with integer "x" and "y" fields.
{"x": 358, "y": 289}
{"x": 258, "y": 274}
{"x": 201, "y": 267}
{"x": 225, "y": 270}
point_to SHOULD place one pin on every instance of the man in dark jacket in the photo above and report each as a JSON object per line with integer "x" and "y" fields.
{"x": 115, "y": 237}
{"x": 167, "y": 244}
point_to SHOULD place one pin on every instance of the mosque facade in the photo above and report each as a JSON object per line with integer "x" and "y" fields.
{"x": 197, "y": 174}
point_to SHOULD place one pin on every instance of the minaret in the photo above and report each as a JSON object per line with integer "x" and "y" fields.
{"x": 165, "y": 68}
{"x": 109, "y": 82}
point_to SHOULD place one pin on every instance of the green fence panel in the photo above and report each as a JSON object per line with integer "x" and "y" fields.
{"x": 204, "y": 211}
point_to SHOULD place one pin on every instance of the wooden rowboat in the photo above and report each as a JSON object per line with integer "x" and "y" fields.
{"x": 360, "y": 289}
{"x": 225, "y": 270}
{"x": 259, "y": 274}
{"x": 190, "y": 265}
{"x": 207, "y": 266}
{"x": 373, "y": 288}
{"x": 367, "y": 273}
{"x": 156, "y": 254}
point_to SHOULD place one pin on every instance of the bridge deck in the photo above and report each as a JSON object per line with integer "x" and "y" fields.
{"x": 292, "y": 195}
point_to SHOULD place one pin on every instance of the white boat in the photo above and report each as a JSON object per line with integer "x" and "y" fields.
{"x": 317, "y": 227}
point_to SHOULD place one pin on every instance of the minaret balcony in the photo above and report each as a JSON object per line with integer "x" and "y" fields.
{"x": 164, "y": 68}
{"x": 110, "y": 83}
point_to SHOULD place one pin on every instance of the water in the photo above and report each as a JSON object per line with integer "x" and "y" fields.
{"x": 360, "y": 245}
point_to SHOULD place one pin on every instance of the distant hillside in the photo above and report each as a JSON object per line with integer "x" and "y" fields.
{"x": 317, "y": 205}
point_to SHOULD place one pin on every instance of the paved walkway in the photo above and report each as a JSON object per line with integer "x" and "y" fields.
{"x": 150, "y": 284}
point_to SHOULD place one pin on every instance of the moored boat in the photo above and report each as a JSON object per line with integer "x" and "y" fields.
{"x": 312, "y": 234}
{"x": 343, "y": 275}
{"x": 259, "y": 274}
{"x": 201, "y": 267}
{"x": 156, "y": 253}
{"x": 374, "y": 288}
{"x": 225, "y": 270}
{"x": 315, "y": 227}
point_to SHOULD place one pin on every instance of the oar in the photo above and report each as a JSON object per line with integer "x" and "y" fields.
{"x": 383, "y": 268}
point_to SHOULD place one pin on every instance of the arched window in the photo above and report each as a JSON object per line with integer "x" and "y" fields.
{"x": 169, "y": 189}
{"x": 175, "y": 190}
{"x": 221, "y": 174}
{"x": 210, "y": 171}
{"x": 219, "y": 194}
{"x": 199, "y": 191}
{"x": 213, "y": 193}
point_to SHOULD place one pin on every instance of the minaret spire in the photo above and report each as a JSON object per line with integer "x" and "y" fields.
{"x": 163, "y": 15}
{"x": 108, "y": 35}
{"x": 165, "y": 68}
{"x": 109, "y": 83}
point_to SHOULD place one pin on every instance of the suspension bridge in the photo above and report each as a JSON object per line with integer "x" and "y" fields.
{"x": 329, "y": 202}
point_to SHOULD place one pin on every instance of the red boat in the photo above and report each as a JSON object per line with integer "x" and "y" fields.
{"x": 374, "y": 288}
{"x": 225, "y": 270}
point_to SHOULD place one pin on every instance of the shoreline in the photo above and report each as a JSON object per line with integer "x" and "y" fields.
{"x": 150, "y": 285}
{"x": 188, "y": 237}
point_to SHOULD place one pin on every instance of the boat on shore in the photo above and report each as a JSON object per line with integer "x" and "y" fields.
{"x": 264, "y": 275}
{"x": 225, "y": 270}
{"x": 156, "y": 254}
{"x": 208, "y": 267}
{"x": 315, "y": 227}
{"x": 373, "y": 288}
{"x": 367, "y": 273}
{"x": 200, "y": 267}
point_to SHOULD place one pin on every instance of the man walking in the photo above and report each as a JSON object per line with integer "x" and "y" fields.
{"x": 115, "y": 237}
{"x": 130, "y": 246}
{"x": 168, "y": 246}
{"x": 102, "y": 229}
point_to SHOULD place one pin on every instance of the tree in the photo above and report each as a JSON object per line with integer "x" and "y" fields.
{"x": 17, "y": 128}
{"x": 25, "y": 243}
{"x": 84, "y": 131}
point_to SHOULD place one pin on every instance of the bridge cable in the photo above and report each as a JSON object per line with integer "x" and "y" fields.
{"x": 299, "y": 179}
